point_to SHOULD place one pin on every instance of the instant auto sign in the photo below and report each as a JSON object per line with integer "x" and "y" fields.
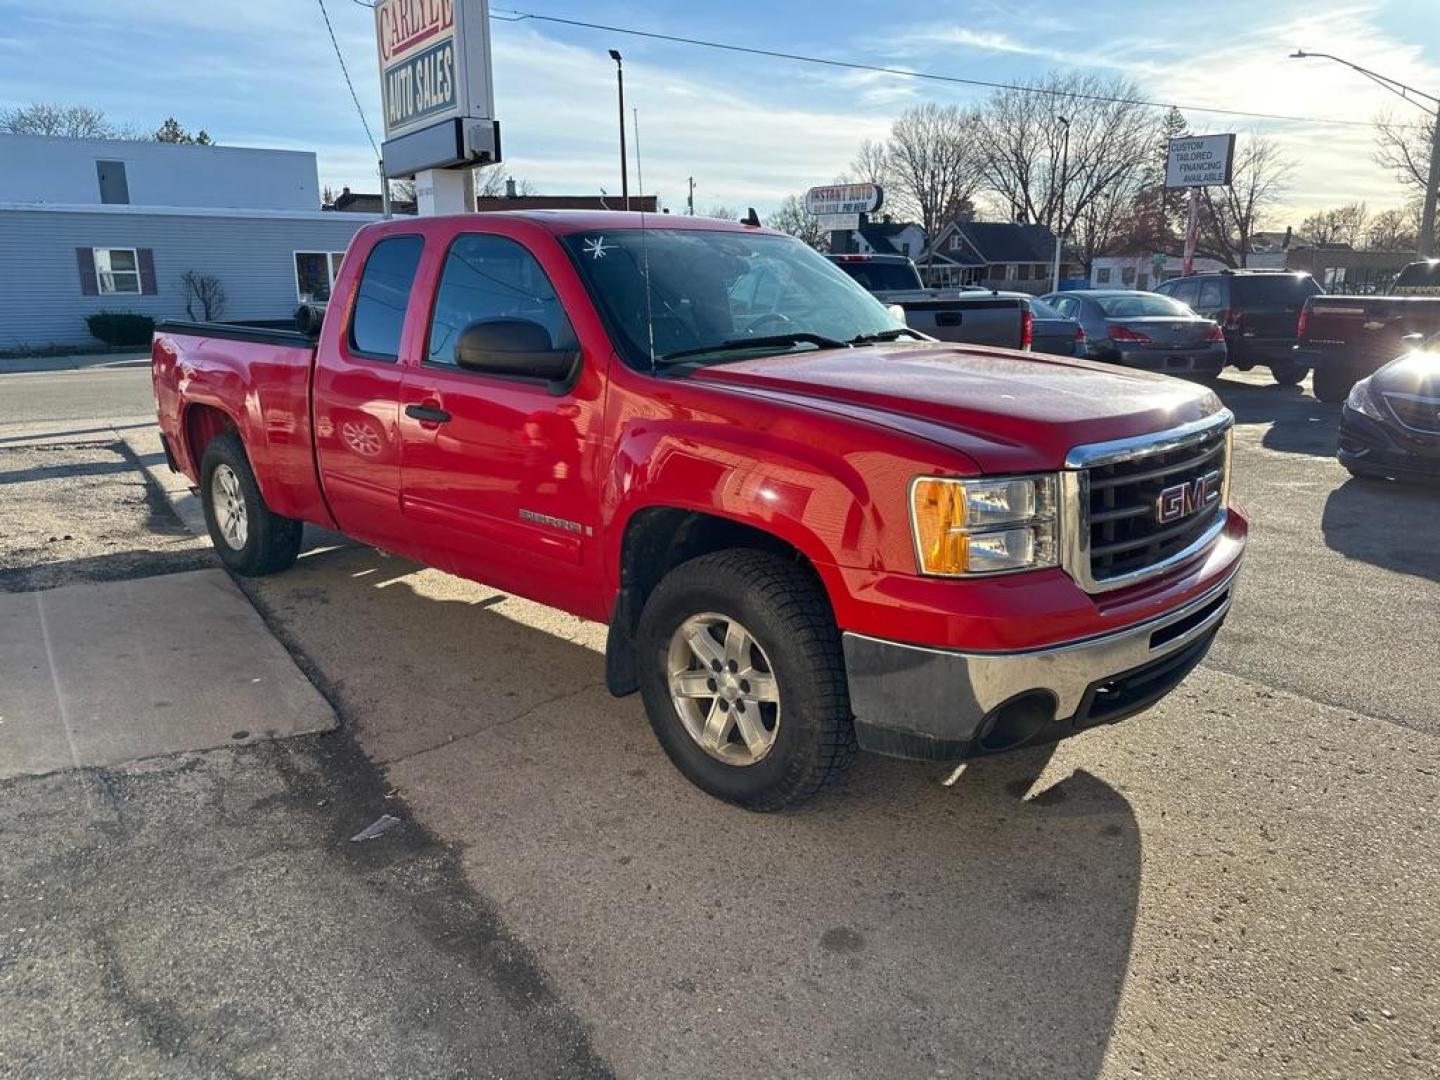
{"x": 418, "y": 63}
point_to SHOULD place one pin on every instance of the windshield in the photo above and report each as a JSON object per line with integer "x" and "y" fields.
{"x": 1142, "y": 306}
{"x": 708, "y": 289}
{"x": 884, "y": 276}
{"x": 1041, "y": 309}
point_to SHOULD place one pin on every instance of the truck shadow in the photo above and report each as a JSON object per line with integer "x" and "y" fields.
{"x": 1385, "y": 523}
{"x": 892, "y": 927}
{"x": 1298, "y": 424}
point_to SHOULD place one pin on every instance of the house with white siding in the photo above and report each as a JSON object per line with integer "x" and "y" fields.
{"x": 89, "y": 225}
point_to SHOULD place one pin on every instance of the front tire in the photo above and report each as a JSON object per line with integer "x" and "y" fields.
{"x": 743, "y": 678}
{"x": 1288, "y": 372}
{"x": 1332, "y": 383}
{"x": 250, "y": 538}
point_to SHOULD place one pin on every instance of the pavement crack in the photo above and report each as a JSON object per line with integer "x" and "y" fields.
{"x": 528, "y": 711}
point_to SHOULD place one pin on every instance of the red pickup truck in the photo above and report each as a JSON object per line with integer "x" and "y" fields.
{"x": 807, "y": 527}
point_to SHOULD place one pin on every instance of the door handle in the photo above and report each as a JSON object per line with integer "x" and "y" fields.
{"x": 426, "y": 414}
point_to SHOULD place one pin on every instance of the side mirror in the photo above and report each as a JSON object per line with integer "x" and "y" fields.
{"x": 517, "y": 348}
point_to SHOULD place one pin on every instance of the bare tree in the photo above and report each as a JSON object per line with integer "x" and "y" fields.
{"x": 1230, "y": 216}
{"x": 1391, "y": 230}
{"x": 1339, "y": 225}
{"x": 205, "y": 293}
{"x": 491, "y": 183}
{"x": 793, "y": 218}
{"x": 1022, "y": 155}
{"x": 1404, "y": 149}
{"x": 931, "y": 162}
{"x": 65, "y": 121}
{"x": 722, "y": 212}
{"x": 402, "y": 191}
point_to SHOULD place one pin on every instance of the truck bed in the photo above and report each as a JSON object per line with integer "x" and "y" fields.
{"x": 253, "y": 378}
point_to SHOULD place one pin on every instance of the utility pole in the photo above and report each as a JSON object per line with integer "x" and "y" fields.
{"x": 1425, "y": 242}
{"x": 639, "y": 169}
{"x": 690, "y": 199}
{"x": 1060, "y": 204}
{"x": 620, "y": 88}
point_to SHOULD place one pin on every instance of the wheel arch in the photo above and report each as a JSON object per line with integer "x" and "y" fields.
{"x": 655, "y": 540}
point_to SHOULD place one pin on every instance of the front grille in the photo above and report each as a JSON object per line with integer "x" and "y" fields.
{"x": 1128, "y": 532}
{"x": 1415, "y": 412}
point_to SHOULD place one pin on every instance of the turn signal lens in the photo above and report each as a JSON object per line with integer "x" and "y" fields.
{"x": 983, "y": 526}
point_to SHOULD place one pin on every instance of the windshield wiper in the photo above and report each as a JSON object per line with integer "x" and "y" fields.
{"x": 800, "y": 337}
{"x": 888, "y": 335}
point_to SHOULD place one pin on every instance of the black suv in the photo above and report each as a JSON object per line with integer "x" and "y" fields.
{"x": 1259, "y": 311}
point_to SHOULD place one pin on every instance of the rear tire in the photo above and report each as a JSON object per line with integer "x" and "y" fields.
{"x": 250, "y": 538}
{"x": 794, "y": 733}
{"x": 1288, "y": 372}
{"x": 1333, "y": 383}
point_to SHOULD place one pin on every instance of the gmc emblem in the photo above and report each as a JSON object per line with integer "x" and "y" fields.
{"x": 1181, "y": 500}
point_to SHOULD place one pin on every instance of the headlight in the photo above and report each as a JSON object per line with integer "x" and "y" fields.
{"x": 965, "y": 527}
{"x": 1361, "y": 401}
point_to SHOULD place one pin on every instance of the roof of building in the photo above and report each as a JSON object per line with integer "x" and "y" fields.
{"x": 366, "y": 202}
{"x": 1007, "y": 242}
{"x": 486, "y": 203}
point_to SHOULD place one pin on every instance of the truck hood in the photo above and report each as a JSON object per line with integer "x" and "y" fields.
{"x": 1007, "y": 411}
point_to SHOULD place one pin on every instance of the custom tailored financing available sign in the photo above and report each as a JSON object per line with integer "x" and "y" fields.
{"x": 434, "y": 62}
{"x": 1200, "y": 161}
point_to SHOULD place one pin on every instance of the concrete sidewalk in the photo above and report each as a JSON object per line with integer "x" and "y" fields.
{"x": 22, "y": 365}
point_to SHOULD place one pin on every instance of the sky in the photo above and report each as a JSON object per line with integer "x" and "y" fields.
{"x": 749, "y": 129}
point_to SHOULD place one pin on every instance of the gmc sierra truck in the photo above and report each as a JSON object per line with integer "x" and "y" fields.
{"x": 1345, "y": 338}
{"x": 972, "y": 315}
{"x": 805, "y": 531}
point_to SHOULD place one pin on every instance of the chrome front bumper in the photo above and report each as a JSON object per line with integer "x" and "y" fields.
{"x": 914, "y": 702}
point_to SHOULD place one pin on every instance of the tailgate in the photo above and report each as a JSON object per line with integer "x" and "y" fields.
{"x": 993, "y": 320}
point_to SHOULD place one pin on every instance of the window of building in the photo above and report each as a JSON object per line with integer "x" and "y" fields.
{"x": 956, "y": 242}
{"x": 1023, "y": 272}
{"x": 491, "y": 277}
{"x": 315, "y": 274}
{"x": 1102, "y": 275}
{"x": 1127, "y": 275}
{"x": 113, "y": 186}
{"x": 117, "y": 270}
{"x": 383, "y": 294}
{"x": 1142, "y": 280}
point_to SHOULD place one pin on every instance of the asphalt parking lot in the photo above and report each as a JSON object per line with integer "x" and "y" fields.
{"x": 1244, "y": 881}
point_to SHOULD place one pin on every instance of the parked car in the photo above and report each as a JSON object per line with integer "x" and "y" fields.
{"x": 1259, "y": 312}
{"x": 1390, "y": 426}
{"x": 804, "y": 531}
{"x": 1144, "y": 330}
{"x": 970, "y": 315}
{"x": 1346, "y": 338}
{"x": 1051, "y": 331}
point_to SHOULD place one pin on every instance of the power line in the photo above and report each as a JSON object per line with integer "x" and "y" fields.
{"x": 853, "y": 65}
{"x": 346, "y": 72}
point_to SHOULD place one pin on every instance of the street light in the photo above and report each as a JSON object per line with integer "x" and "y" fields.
{"x": 620, "y": 87}
{"x": 1425, "y": 244}
{"x": 1060, "y": 204}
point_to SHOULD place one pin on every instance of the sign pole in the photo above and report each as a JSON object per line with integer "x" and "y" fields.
{"x": 1192, "y": 231}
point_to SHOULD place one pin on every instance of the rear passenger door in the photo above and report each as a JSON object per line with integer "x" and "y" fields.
{"x": 356, "y": 394}
{"x": 500, "y": 470}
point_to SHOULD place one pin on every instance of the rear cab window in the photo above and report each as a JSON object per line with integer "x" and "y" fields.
{"x": 1419, "y": 279}
{"x": 1278, "y": 289}
{"x": 383, "y": 294}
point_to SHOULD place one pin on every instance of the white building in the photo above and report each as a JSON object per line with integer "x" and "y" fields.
{"x": 93, "y": 225}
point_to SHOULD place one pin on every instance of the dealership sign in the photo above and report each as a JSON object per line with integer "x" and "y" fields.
{"x": 434, "y": 62}
{"x": 1199, "y": 161}
{"x": 844, "y": 199}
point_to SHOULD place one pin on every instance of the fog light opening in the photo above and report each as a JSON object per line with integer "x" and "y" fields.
{"x": 1017, "y": 721}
